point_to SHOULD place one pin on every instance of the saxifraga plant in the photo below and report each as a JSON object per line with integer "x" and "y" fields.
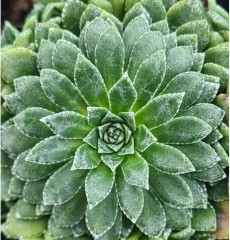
{"x": 121, "y": 117}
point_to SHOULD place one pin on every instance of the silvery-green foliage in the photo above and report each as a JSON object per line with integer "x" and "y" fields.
{"x": 113, "y": 126}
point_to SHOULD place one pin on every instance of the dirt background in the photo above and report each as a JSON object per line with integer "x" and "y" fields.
{"x": 15, "y": 11}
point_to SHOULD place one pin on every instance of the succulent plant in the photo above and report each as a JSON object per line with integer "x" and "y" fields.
{"x": 112, "y": 128}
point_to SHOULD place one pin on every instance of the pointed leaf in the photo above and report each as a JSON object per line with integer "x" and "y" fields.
{"x": 209, "y": 113}
{"x": 102, "y": 217}
{"x": 128, "y": 148}
{"x": 109, "y": 56}
{"x": 136, "y": 28}
{"x": 149, "y": 77}
{"x": 16, "y": 187}
{"x": 56, "y": 231}
{"x": 127, "y": 227}
{"x": 167, "y": 159}
{"x": 92, "y": 138}
{"x": 143, "y": 138}
{"x": 171, "y": 189}
{"x": 125, "y": 92}
{"x": 112, "y": 160}
{"x": 61, "y": 91}
{"x": 69, "y": 213}
{"x": 25, "y": 210}
{"x": 13, "y": 103}
{"x": 98, "y": 185}
{"x": 159, "y": 110}
{"x": 131, "y": 198}
{"x": 63, "y": 185}
{"x": 6, "y": 177}
{"x": 64, "y": 58}
{"x": 145, "y": 46}
{"x": 103, "y": 148}
{"x": 110, "y": 117}
{"x": 198, "y": 62}
{"x": 53, "y": 150}
{"x": 90, "y": 83}
{"x": 28, "y": 122}
{"x": 201, "y": 155}
{"x": 129, "y": 119}
{"x": 95, "y": 115}
{"x": 170, "y": 40}
{"x": 219, "y": 192}
{"x": 80, "y": 229}
{"x": 68, "y": 125}
{"x": 152, "y": 219}
{"x": 136, "y": 170}
{"x": 45, "y": 54}
{"x": 182, "y": 130}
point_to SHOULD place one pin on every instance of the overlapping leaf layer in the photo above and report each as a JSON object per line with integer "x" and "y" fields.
{"x": 113, "y": 126}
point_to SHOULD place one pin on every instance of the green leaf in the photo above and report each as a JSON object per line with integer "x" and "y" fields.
{"x": 80, "y": 229}
{"x": 161, "y": 26}
{"x": 53, "y": 150}
{"x": 110, "y": 117}
{"x": 191, "y": 83}
{"x": 204, "y": 219}
{"x": 63, "y": 214}
{"x": 30, "y": 92}
{"x": 86, "y": 158}
{"x": 127, "y": 227}
{"x": 61, "y": 91}
{"x": 45, "y": 54}
{"x": 103, "y": 148}
{"x": 64, "y": 58}
{"x": 145, "y": 46}
{"x": 115, "y": 231}
{"x": 182, "y": 130}
{"x": 177, "y": 219}
{"x": 148, "y": 78}
{"x": 25, "y": 210}
{"x": 188, "y": 40}
{"x": 212, "y": 174}
{"x": 209, "y": 113}
{"x": 219, "y": 192}
{"x": 98, "y": 185}
{"x": 13, "y": 141}
{"x": 109, "y": 56}
{"x": 213, "y": 137}
{"x": 112, "y": 160}
{"x": 176, "y": 65}
{"x": 159, "y": 110}
{"x": 125, "y": 92}
{"x": 102, "y": 217}
{"x": 224, "y": 159}
{"x": 131, "y": 198}
{"x": 167, "y": 159}
{"x": 200, "y": 28}
{"x": 6, "y": 177}
{"x": 152, "y": 219}
{"x": 92, "y": 138}
{"x": 14, "y": 103}
{"x": 136, "y": 170}
{"x": 129, "y": 119}
{"x": 16, "y": 187}
{"x": 128, "y": 148}
{"x": 9, "y": 34}
{"x": 184, "y": 233}
{"x": 170, "y": 40}
{"x": 68, "y": 125}
{"x": 198, "y": 62}
{"x": 29, "y": 171}
{"x": 96, "y": 115}
{"x": 136, "y": 28}
{"x": 56, "y": 191}
{"x": 58, "y": 231}
{"x": 32, "y": 191}
{"x": 17, "y": 62}
{"x": 198, "y": 193}
{"x": 176, "y": 16}
{"x": 28, "y": 122}
{"x": 201, "y": 155}
{"x": 90, "y": 83}
{"x": 171, "y": 189}
{"x": 143, "y": 138}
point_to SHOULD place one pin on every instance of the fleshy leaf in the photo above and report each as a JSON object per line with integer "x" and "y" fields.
{"x": 16, "y": 187}
{"x": 6, "y": 177}
{"x": 136, "y": 170}
{"x": 145, "y": 46}
{"x": 159, "y": 110}
{"x": 57, "y": 191}
{"x": 131, "y": 198}
{"x": 28, "y": 122}
{"x": 148, "y": 78}
{"x": 109, "y": 56}
{"x": 13, "y": 103}
{"x": 201, "y": 155}
{"x": 213, "y": 137}
{"x": 219, "y": 192}
{"x": 136, "y": 28}
{"x": 96, "y": 115}
{"x": 68, "y": 125}
{"x": 56, "y": 231}
{"x": 143, "y": 138}
{"x": 198, "y": 62}
{"x": 90, "y": 83}
{"x": 102, "y": 217}
{"x": 61, "y": 91}
{"x": 103, "y": 148}
{"x": 152, "y": 219}
{"x": 53, "y": 150}
{"x": 45, "y": 54}
{"x": 98, "y": 185}
{"x": 92, "y": 138}
{"x": 86, "y": 158}
{"x": 209, "y": 113}
{"x": 170, "y": 40}
{"x": 128, "y": 148}
{"x": 171, "y": 189}
{"x": 69, "y": 213}
{"x": 167, "y": 159}
{"x": 64, "y": 58}
{"x": 112, "y": 160}
{"x": 125, "y": 92}
{"x": 127, "y": 227}
{"x": 129, "y": 119}
{"x": 110, "y": 117}
{"x": 192, "y": 130}
{"x": 25, "y": 210}
{"x": 80, "y": 229}
{"x": 204, "y": 219}
{"x": 161, "y": 26}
